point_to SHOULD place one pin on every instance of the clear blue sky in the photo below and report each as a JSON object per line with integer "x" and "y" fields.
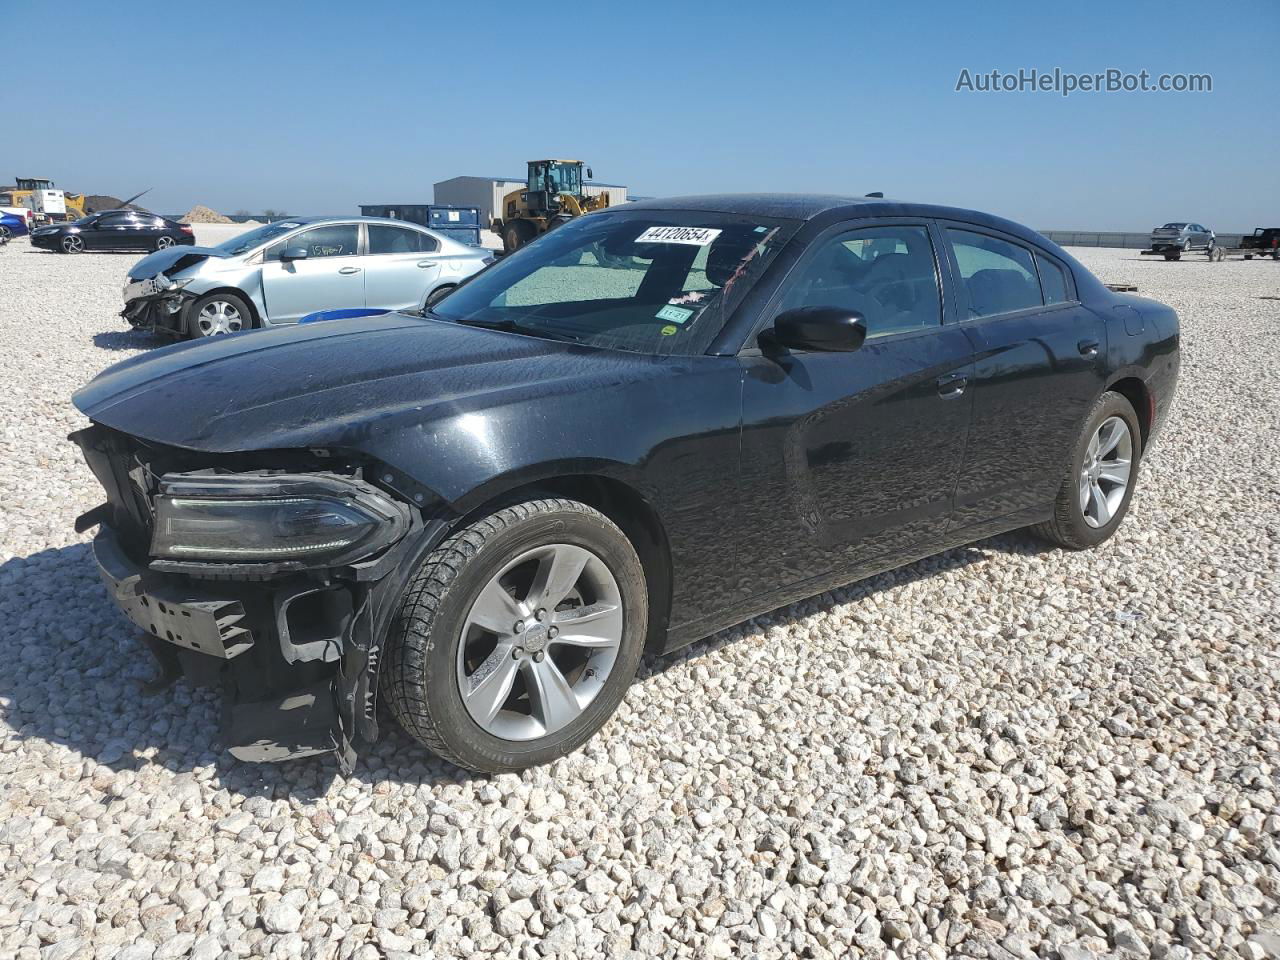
{"x": 318, "y": 107}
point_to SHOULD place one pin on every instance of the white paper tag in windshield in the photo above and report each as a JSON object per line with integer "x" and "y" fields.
{"x": 693, "y": 236}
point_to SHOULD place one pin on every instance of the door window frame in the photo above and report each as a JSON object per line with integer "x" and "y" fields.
{"x": 961, "y": 292}
{"x": 770, "y": 309}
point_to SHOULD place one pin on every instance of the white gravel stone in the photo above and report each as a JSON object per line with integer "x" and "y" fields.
{"x": 1002, "y": 751}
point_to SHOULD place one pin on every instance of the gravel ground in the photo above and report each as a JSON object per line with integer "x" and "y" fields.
{"x": 1002, "y": 751}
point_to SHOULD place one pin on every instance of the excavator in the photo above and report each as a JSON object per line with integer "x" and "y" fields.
{"x": 553, "y": 195}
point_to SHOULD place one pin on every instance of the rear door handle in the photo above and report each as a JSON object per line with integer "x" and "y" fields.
{"x": 952, "y": 385}
{"x": 1088, "y": 348}
{"x": 349, "y": 270}
{"x": 426, "y": 263}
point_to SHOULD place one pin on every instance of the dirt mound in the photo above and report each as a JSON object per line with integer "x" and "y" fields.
{"x": 202, "y": 214}
{"x": 95, "y": 202}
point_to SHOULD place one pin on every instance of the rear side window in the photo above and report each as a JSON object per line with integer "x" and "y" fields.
{"x": 385, "y": 239}
{"x": 998, "y": 276}
{"x": 1053, "y": 281}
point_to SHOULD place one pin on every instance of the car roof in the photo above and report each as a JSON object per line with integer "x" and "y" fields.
{"x": 829, "y": 208}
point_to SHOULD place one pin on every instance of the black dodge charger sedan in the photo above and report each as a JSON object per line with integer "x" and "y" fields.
{"x": 650, "y": 424}
{"x": 113, "y": 230}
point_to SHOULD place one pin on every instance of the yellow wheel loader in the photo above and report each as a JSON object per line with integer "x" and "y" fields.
{"x": 553, "y": 195}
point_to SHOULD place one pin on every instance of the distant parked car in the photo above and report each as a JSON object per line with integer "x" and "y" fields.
{"x": 284, "y": 271}
{"x": 113, "y": 230}
{"x": 1175, "y": 239}
{"x": 11, "y": 225}
{"x": 25, "y": 217}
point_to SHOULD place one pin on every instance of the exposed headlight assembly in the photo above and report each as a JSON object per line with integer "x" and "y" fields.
{"x": 304, "y": 520}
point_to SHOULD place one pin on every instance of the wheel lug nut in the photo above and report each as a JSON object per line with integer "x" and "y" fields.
{"x": 519, "y": 627}
{"x": 517, "y": 653}
{"x": 539, "y": 656}
{"x": 553, "y": 632}
{"x": 540, "y": 615}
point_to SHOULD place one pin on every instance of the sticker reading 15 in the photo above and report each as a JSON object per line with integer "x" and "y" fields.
{"x": 694, "y": 236}
{"x": 674, "y": 314}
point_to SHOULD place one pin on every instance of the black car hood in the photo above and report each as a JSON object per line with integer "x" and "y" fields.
{"x": 154, "y": 264}
{"x": 359, "y": 384}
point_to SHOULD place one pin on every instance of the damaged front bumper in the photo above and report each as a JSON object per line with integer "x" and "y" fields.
{"x": 295, "y": 649}
{"x": 157, "y": 305}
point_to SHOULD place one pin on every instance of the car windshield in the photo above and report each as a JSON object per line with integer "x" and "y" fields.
{"x": 649, "y": 281}
{"x": 244, "y": 242}
{"x": 1173, "y": 226}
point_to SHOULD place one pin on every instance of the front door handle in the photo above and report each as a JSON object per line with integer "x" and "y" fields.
{"x": 1088, "y": 348}
{"x": 349, "y": 270}
{"x": 952, "y": 385}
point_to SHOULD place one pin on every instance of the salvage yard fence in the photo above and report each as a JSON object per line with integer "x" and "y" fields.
{"x": 1129, "y": 241}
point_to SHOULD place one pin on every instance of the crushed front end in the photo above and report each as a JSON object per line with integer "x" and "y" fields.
{"x": 272, "y": 576}
{"x": 157, "y": 304}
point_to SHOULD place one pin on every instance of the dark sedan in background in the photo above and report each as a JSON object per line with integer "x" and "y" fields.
{"x": 113, "y": 230}
{"x": 647, "y": 425}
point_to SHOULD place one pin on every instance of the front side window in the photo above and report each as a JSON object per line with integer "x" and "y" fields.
{"x": 650, "y": 281}
{"x": 244, "y": 242}
{"x": 887, "y": 274}
{"x": 331, "y": 240}
{"x": 385, "y": 239}
{"x": 117, "y": 220}
{"x": 998, "y": 276}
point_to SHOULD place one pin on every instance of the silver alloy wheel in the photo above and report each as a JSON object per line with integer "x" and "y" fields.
{"x": 218, "y": 316}
{"x": 539, "y": 642}
{"x": 164, "y": 242}
{"x": 4, "y": 232}
{"x": 72, "y": 244}
{"x": 1104, "y": 474}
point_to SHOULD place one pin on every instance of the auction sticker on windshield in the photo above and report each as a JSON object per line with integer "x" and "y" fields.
{"x": 674, "y": 314}
{"x": 693, "y": 236}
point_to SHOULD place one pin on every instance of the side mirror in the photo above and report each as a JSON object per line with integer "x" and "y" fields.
{"x": 289, "y": 254}
{"x": 831, "y": 329}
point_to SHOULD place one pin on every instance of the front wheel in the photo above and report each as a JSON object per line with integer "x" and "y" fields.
{"x": 518, "y": 636}
{"x": 72, "y": 244}
{"x": 218, "y": 313}
{"x": 1095, "y": 493}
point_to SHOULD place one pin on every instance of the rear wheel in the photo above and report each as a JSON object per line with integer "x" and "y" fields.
{"x": 438, "y": 294}
{"x": 163, "y": 243}
{"x": 1095, "y": 493}
{"x": 518, "y": 636}
{"x": 5, "y": 233}
{"x": 218, "y": 313}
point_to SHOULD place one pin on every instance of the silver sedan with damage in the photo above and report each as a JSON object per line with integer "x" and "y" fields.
{"x": 284, "y": 271}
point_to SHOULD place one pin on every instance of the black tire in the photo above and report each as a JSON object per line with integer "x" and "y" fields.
{"x": 438, "y": 294}
{"x": 193, "y": 331}
{"x": 420, "y": 675}
{"x": 160, "y": 243}
{"x": 516, "y": 234}
{"x": 69, "y": 246}
{"x": 1186, "y": 245}
{"x": 1068, "y": 527}
{"x": 1176, "y": 255}
{"x": 5, "y": 233}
